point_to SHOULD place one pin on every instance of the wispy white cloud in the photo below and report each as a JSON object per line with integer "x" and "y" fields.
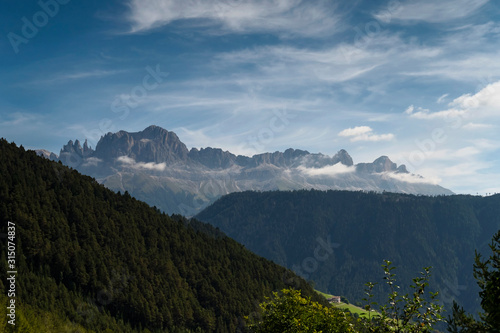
{"x": 18, "y": 119}
{"x": 470, "y": 66}
{"x": 474, "y": 63}
{"x": 468, "y": 168}
{"x": 461, "y": 161}
{"x": 329, "y": 170}
{"x": 356, "y": 131}
{"x": 484, "y": 103}
{"x": 473, "y": 35}
{"x": 410, "y": 109}
{"x": 477, "y": 126}
{"x": 466, "y": 152}
{"x": 91, "y": 161}
{"x": 456, "y": 150}
{"x": 285, "y": 17}
{"x": 73, "y": 76}
{"x": 412, "y": 178}
{"x": 335, "y": 64}
{"x": 486, "y": 145}
{"x": 487, "y": 99}
{"x": 131, "y": 163}
{"x": 430, "y": 10}
{"x": 364, "y": 133}
{"x": 426, "y": 114}
{"x": 85, "y": 75}
{"x": 442, "y": 98}
{"x": 295, "y": 66}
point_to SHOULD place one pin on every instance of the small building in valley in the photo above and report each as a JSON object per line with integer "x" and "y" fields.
{"x": 334, "y": 299}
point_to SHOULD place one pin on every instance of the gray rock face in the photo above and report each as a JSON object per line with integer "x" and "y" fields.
{"x": 343, "y": 157}
{"x": 381, "y": 164}
{"x": 155, "y": 166}
{"x": 154, "y": 144}
{"x": 213, "y": 158}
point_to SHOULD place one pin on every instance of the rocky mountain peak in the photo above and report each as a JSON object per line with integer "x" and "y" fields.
{"x": 76, "y": 148}
{"x": 154, "y": 144}
{"x": 402, "y": 169}
{"x": 153, "y": 132}
{"x": 381, "y": 164}
{"x": 384, "y": 164}
{"x": 343, "y": 157}
{"x": 47, "y": 154}
{"x": 86, "y": 148}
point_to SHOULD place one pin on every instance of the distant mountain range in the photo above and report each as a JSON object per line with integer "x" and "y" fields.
{"x": 155, "y": 166}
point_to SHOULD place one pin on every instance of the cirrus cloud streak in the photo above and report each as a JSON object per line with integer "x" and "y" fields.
{"x": 284, "y": 17}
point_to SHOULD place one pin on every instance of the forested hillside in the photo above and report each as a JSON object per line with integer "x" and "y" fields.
{"x": 89, "y": 258}
{"x": 339, "y": 239}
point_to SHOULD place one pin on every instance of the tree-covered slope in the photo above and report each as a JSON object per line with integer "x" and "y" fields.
{"x": 101, "y": 260}
{"x": 339, "y": 239}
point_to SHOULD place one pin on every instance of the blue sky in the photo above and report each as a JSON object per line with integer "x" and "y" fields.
{"x": 418, "y": 81}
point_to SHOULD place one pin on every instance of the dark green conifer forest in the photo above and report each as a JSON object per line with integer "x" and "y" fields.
{"x": 363, "y": 229}
{"x": 90, "y": 260}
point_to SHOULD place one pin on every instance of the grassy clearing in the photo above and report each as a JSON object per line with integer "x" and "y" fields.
{"x": 351, "y": 308}
{"x": 324, "y": 295}
{"x": 355, "y": 309}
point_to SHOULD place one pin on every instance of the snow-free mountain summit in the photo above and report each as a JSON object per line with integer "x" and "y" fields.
{"x": 155, "y": 166}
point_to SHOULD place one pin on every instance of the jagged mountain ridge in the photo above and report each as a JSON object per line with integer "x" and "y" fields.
{"x": 154, "y": 165}
{"x": 157, "y": 145}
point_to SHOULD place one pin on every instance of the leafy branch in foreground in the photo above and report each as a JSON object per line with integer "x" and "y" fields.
{"x": 403, "y": 313}
{"x": 289, "y": 312}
